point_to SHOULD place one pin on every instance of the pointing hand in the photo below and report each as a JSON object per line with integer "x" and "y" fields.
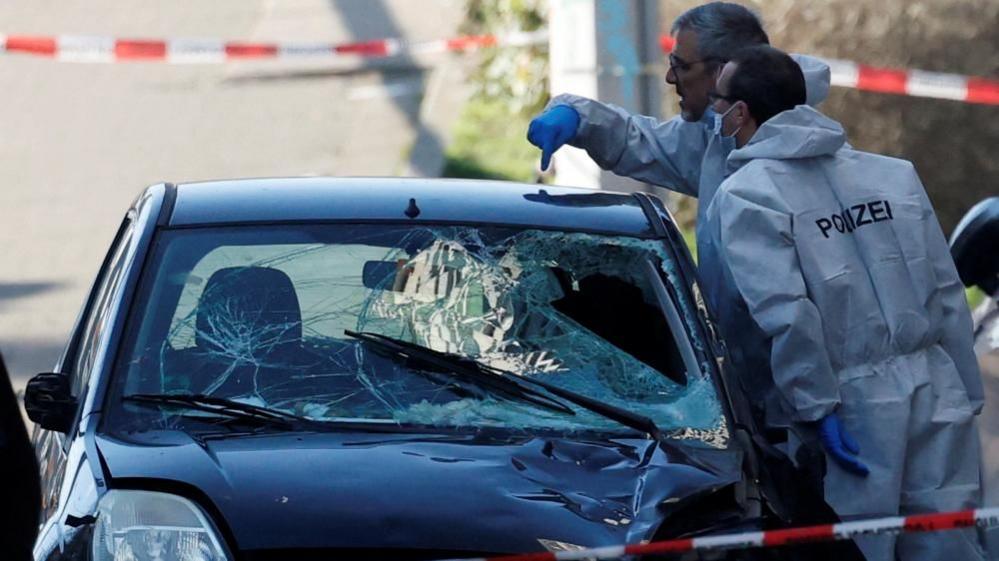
{"x": 551, "y": 129}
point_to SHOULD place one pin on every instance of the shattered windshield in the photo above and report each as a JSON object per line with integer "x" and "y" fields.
{"x": 259, "y": 314}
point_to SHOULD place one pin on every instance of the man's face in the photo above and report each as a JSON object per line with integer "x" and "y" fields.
{"x": 722, "y": 102}
{"x": 692, "y": 76}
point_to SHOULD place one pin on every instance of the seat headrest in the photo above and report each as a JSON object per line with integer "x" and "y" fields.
{"x": 248, "y": 310}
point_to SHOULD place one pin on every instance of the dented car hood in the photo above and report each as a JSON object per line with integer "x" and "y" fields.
{"x": 433, "y": 491}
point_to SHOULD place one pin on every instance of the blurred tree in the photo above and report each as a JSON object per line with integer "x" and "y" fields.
{"x": 511, "y": 85}
{"x": 516, "y": 76}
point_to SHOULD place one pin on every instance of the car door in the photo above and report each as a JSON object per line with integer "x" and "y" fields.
{"x": 59, "y": 454}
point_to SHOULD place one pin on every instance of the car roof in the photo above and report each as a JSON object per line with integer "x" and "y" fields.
{"x": 315, "y": 199}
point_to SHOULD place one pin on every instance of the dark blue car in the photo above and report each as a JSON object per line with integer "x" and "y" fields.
{"x": 394, "y": 369}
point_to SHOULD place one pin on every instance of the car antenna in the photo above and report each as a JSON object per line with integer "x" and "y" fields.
{"x": 412, "y": 210}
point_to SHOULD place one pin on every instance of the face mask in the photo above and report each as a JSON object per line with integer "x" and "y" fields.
{"x": 719, "y": 120}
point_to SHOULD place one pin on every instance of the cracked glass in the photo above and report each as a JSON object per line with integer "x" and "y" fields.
{"x": 258, "y": 315}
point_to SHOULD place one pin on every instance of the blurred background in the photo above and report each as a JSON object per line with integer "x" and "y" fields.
{"x": 79, "y": 141}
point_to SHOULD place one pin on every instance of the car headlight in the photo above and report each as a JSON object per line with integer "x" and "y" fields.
{"x": 149, "y": 526}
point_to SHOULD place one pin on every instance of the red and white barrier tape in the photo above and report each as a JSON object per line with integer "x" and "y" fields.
{"x": 73, "y": 48}
{"x": 986, "y": 517}
{"x": 78, "y": 48}
{"x": 915, "y": 83}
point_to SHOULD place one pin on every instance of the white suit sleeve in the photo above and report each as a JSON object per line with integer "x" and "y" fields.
{"x": 957, "y": 331}
{"x": 758, "y": 245}
{"x": 664, "y": 153}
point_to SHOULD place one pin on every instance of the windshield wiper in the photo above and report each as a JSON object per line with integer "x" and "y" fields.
{"x": 462, "y": 369}
{"x": 225, "y": 407}
{"x": 627, "y": 418}
{"x": 477, "y": 371}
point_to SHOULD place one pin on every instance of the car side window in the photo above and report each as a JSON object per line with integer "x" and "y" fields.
{"x": 94, "y": 324}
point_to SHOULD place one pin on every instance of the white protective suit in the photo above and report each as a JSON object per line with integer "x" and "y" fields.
{"x": 838, "y": 256}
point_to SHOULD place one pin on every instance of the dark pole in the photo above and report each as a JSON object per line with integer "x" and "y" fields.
{"x": 20, "y": 491}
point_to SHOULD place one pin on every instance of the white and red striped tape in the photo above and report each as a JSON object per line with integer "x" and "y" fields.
{"x": 80, "y": 48}
{"x": 986, "y": 517}
{"x": 72, "y": 48}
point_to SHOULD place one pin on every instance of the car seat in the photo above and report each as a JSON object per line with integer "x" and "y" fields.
{"x": 248, "y": 320}
{"x": 254, "y": 308}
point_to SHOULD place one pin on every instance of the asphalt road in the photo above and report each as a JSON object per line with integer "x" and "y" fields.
{"x": 78, "y": 142}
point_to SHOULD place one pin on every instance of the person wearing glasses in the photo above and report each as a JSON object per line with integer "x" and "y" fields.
{"x": 685, "y": 153}
{"x": 834, "y": 264}
{"x": 681, "y": 154}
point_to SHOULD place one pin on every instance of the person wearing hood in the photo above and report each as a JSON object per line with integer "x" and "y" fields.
{"x": 681, "y": 154}
{"x": 834, "y": 262}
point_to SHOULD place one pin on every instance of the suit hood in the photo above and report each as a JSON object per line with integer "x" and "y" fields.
{"x": 799, "y": 133}
{"x": 817, "y": 78}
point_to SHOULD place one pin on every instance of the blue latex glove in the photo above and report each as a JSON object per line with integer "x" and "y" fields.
{"x": 840, "y": 445}
{"x": 551, "y": 129}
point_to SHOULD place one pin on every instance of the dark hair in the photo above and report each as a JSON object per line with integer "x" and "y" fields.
{"x": 767, "y": 80}
{"x": 722, "y": 28}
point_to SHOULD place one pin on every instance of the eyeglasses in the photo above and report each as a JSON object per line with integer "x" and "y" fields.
{"x": 677, "y": 63}
{"x": 713, "y": 98}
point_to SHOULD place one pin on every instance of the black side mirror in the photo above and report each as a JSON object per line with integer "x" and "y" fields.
{"x": 48, "y": 402}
